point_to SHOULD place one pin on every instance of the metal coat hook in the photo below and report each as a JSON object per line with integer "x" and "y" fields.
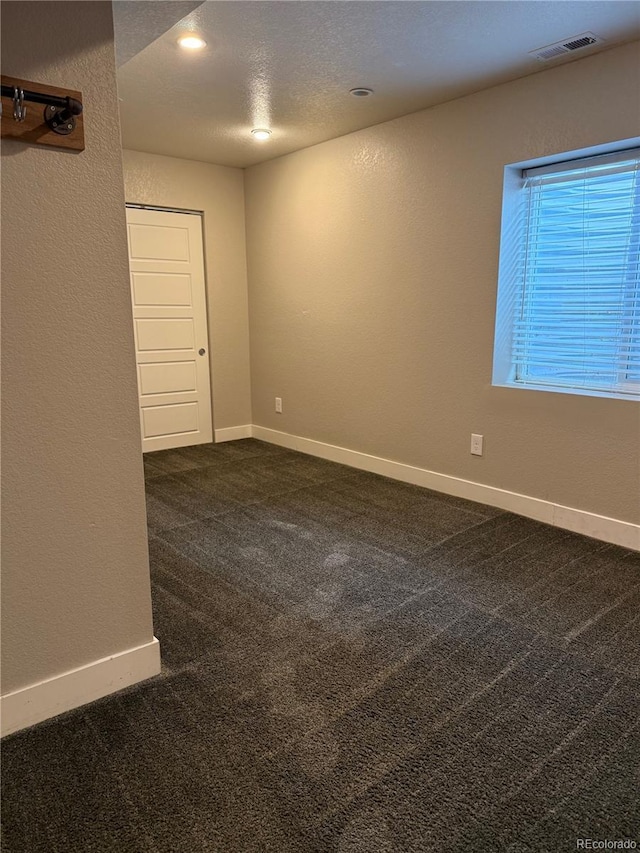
{"x": 19, "y": 109}
{"x": 60, "y": 112}
{"x": 58, "y": 122}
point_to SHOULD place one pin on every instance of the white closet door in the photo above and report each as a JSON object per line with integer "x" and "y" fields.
{"x": 166, "y": 259}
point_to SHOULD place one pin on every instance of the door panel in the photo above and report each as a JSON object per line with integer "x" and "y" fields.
{"x": 167, "y": 377}
{"x": 161, "y": 334}
{"x": 169, "y": 309}
{"x": 161, "y": 289}
{"x": 163, "y": 421}
{"x": 158, "y": 242}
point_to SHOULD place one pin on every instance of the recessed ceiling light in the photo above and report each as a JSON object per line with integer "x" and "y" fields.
{"x": 261, "y": 133}
{"x": 361, "y": 92}
{"x": 191, "y": 42}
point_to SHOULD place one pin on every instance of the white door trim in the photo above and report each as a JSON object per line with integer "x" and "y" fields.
{"x": 161, "y": 209}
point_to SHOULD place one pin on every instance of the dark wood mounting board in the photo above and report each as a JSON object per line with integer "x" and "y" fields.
{"x": 34, "y": 129}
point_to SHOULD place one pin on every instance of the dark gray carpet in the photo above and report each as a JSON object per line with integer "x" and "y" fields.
{"x": 352, "y": 665}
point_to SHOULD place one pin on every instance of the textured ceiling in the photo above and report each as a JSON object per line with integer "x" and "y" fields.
{"x": 289, "y": 66}
{"x": 137, "y": 23}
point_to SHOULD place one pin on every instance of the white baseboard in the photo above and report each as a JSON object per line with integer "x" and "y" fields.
{"x": 69, "y": 690}
{"x": 233, "y": 433}
{"x": 579, "y": 521}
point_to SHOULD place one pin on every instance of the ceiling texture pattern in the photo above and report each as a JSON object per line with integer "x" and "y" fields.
{"x": 288, "y": 66}
{"x": 138, "y": 24}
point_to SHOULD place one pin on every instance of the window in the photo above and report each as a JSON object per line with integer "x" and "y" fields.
{"x": 568, "y": 315}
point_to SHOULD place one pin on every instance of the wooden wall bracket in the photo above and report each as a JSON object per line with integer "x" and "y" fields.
{"x": 38, "y": 125}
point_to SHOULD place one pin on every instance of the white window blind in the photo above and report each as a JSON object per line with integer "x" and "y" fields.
{"x": 577, "y": 277}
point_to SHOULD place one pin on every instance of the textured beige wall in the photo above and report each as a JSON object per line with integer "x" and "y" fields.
{"x": 219, "y": 192}
{"x": 372, "y": 266}
{"x": 75, "y": 564}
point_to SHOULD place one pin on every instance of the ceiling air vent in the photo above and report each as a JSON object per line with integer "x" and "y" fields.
{"x": 560, "y": 48}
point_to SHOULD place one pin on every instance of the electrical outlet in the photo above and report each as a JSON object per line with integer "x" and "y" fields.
{"x": 279, "y": 405}
{"x": 476, "y": 444}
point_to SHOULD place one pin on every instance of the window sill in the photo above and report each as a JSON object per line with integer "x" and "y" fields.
{"x": 632, "y": 397}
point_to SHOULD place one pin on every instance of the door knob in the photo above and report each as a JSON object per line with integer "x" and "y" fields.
{"x": 201, "y": 351}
